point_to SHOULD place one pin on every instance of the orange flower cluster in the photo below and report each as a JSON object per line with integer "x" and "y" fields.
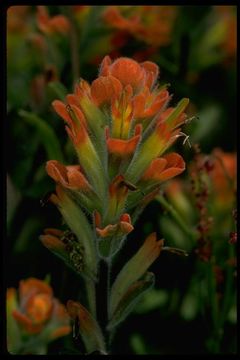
{"x": 151, "y": 24}
{"x": 120, "y": 127}
{"x": 34, "y": 311}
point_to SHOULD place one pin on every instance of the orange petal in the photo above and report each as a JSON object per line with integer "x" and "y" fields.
{"x": 104, "y": 67}
{"x": 128, "y": 72}
{"x": 26, "y": 323}
{"x": 123, "y": 148}
{"x": 61, "y": 110}
{"x": 155, "y": 168}
{"x": 68, "y": 176}
{"x": 104, "y": 88}
{"x": 152, "y": 72}
{"x": 109, "y": 230}
{"x": 39, "y": 307}
{"x": 52, "y": 242}
{"x": 33, "y": 285}
{"x": 162, "y": 169}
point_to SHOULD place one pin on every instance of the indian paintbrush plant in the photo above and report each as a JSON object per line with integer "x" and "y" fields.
{"x": 121, "y": 127}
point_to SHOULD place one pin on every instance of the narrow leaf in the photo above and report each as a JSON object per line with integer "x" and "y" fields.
{"x": 134, "y": 269}
{"x": 88, "y": 327}
{"x": 130, "y": 298}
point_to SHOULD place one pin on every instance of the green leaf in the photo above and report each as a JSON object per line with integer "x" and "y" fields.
{"x": 134, "y": 269}
{"x": 13, "y": 331}
{"x": 46, "y": 135}
{"x": 78, "y": 223}
{"x": 88, "y": 327}
{"x": 181, "y": 106}
{"x": 130, "y": 298}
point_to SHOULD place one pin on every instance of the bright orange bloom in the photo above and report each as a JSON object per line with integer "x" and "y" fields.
{"x": 36, "y": 311}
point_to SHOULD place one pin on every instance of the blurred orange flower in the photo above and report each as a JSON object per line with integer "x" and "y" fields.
{"x": 34, "y": 311}
{"x": 151, "y": 24}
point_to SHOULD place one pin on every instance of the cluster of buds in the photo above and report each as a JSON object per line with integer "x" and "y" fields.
{"x": 34, "y": 318}
{"x": 120, "y": 126}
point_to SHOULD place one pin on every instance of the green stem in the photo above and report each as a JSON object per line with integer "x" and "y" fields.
{"x": 177, "y": 218}
{"x": 109, "y": 334}
{"x": 91, "y": 293}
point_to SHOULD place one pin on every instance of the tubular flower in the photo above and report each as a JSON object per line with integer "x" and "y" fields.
{"x": 120, "y": 127}
{"x": 36, "y": 314}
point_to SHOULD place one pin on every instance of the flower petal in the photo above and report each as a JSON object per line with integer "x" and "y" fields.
{"x": 104, "y": 88}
